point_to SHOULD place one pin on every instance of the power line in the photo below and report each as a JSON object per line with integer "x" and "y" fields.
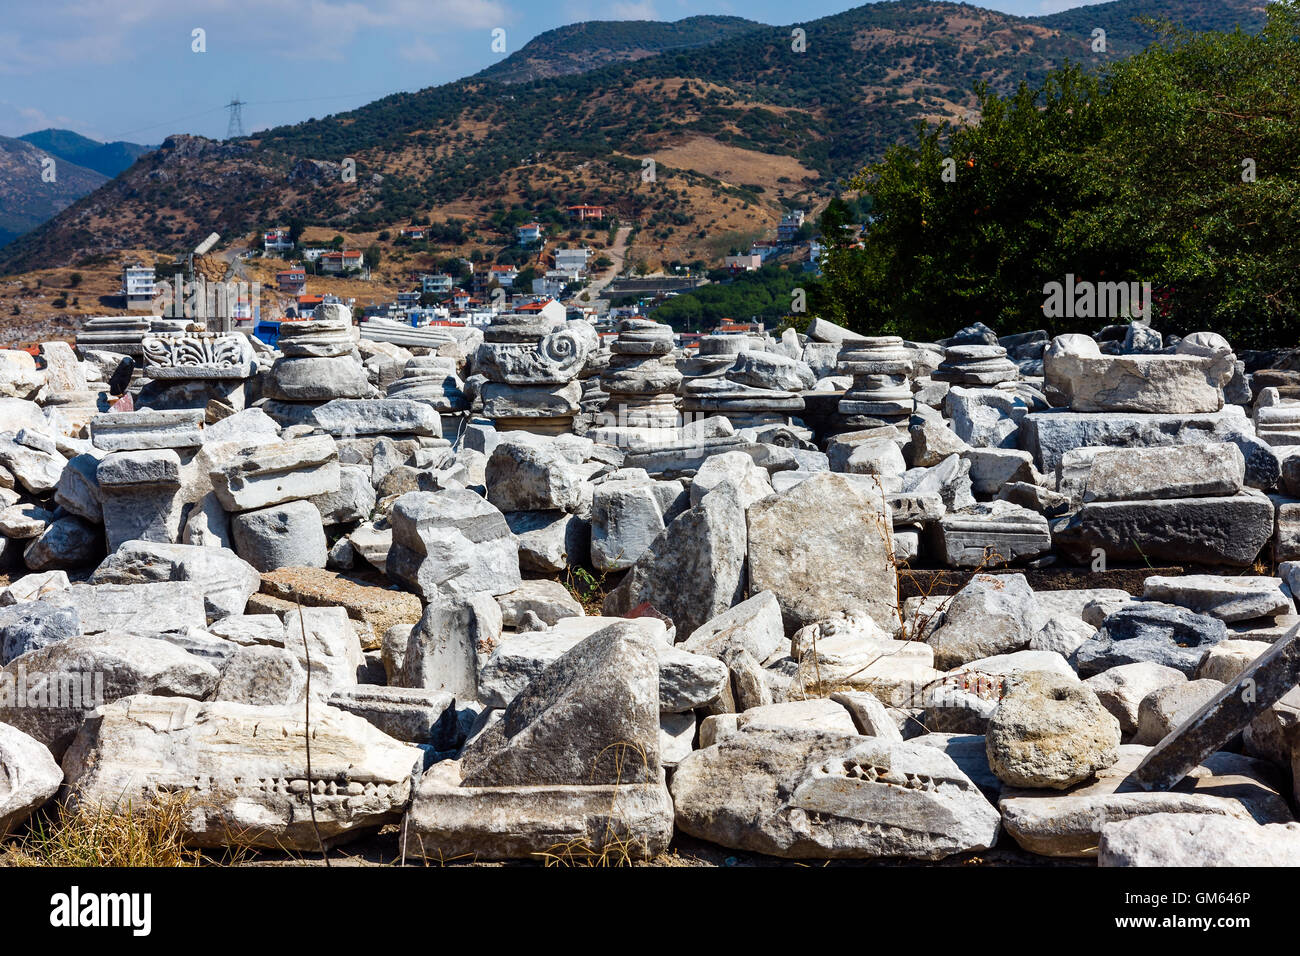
{"x": 226, "y": 106}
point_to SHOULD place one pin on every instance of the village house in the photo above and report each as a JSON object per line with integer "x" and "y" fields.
{"x": 340, "y": 262}
{"x": 413, "y": 232}
{"x": 790, "y": 225}
{"x": 572, "y": 260}
{"x": 138, "y": 286}
{"x": 745, "y": 263}
{"x": 436, "y": 284}
{"x": 585, "y": 213}
{"x": 276, "y": 240}
{"x": 504, "y": 275}
{"x": 546, "y": 307}
{"x": 292, "y": 281}
{"x": 307, "y": 305}
{"x": 530, "y": 232}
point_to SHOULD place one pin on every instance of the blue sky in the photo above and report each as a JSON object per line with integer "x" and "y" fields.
{"x": 126, "y": 69}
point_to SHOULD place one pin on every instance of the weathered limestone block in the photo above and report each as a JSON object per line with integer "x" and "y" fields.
{"x": 1069, "y": 823}
{"x": 442, "y": 648}
{"x": 591, "y": 717}
{"x": 1226, "y": 714}
{"x": 246, "y": 768}
{"x": 141, "y": 608}
{"x": 1122, "y": 689}
{"x": 49, "y": 692}
{"x": 992, "y": 534}
{"x": 1149, "y": 631}
{"x": 379, "y": 607}
{"x": 141, "y": 496}
{"x": 145, "y": 430}
{"x": 816, "y": 794}
{"x": 263, "y": 475}
{"x": 1049, "y": 732}
{"x": 1171, "y": 384}
{"x": 448, "y": 821}
{"x": 330, "y": 652}
{"x": 1211, "y": 531}
{"x": 815, "y": 567}
{"x": 29, "y": 775}
{"x": 288, "y": 535}
{"x": 1197, "y": 840}
{"x": 262, "y": 674}
{"x": 993, "y": 614}
{"x": 1162, "y": 710}
{"x": 415, "y": 715}
{"x": 67, "y": 543}
{"x": 694, "y": 569}
{"x": 1229, "y": 598}
{"x": 1177, "y": 471}
{"x": 451, "y": 541}
{"x": 348, "y": 417}
{"x": 226, "y": 580}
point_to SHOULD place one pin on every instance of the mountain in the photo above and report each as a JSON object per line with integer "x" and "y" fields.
{"x": 26, "y": 200}
{"x": 739, "y": 130}
{"x": 581, "y": 47}
{"x": 108, "y": 159}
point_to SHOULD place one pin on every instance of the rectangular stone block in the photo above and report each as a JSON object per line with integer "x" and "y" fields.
{"x": 273, "y": 474}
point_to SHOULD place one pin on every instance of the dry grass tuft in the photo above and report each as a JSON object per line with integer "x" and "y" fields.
{"x": 92, "y": 836}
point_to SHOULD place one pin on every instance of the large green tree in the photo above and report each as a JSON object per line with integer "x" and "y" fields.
{"x": 1179, "y": 166}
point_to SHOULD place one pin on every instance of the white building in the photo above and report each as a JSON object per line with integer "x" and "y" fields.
{"x": 530, "y": 232}
{"x": 138, "y": 286}
{"x": 572, "y": 260}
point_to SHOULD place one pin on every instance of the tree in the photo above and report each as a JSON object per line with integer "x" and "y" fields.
{"x": 1138, "y": 174}
{"x": 372, "y": 256}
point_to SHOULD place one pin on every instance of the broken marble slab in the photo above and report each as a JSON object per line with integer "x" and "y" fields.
{"x": 816, "y": 568}
{"x": 49, "y": 692}
{"x": 451, "y": 541}
{"x": 143, "y": 608}
{"x": 1229, "y": 598}
{"x": 821, "y": 795}
{"x": 1069, "y": 823}
{"x": 695, "y": 568}
{"x": 686, "y": 680}
{"x": 145, "y": 430}
{"x": 992, "y": 534}
{"x": 1209, "y": 531}
{"x": 1162, "y": 472}
{"x": 245, "y": 767}
{"x": 1122, "y": 689}
{"x": 1197, "y": 840}
{"x": 1050, "y": 434}
{"x": 140, "y": 496}
{"x": 32, "y": 587}
{"x": 1149, "y": 631}
{"x": 1154, "y": 384}
{"x": 412, "y": 714}
{"x": 1225, "y": 715}
{"x": 30, "y": 774}
{"x": 263, "y": 475}
{"x": 447, "y": 821}
{"x": 226, "y": 580}
{"x": 349, "y": 417}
